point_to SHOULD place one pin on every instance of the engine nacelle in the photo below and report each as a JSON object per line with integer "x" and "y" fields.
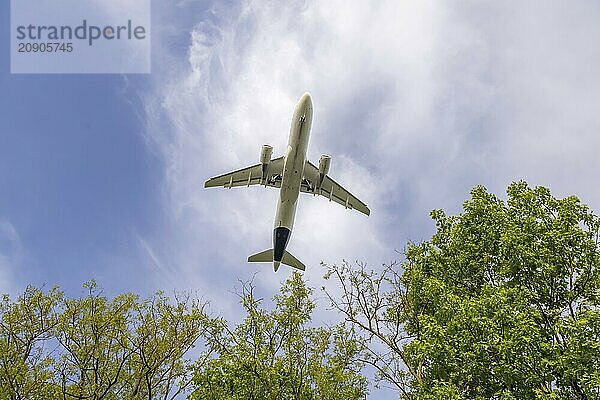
{"x": 324, "y": 163}
{"x": 265, "y": 154}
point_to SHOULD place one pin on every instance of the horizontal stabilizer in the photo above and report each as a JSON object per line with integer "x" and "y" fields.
{"x": 292, "y": 261}
{"x": 267, "y": 256}
{"x": 263, "y": 256}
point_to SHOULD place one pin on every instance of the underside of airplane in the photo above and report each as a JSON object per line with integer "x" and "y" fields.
{"x": 292, "y": 174}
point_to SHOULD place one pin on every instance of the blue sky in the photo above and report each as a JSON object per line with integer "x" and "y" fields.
{"x": 74, "y": 173}
{"x": 101, "y": 176}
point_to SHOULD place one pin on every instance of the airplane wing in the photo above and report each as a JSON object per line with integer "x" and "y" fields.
{"x": 253, "y": 175}
{"x": 330, "y": 189}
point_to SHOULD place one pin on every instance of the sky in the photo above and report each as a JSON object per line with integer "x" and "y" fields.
{"x": 101, "y": 175}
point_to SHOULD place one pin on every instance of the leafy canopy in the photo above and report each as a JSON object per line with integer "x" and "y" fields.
{"x": 503, "y": 302}
{"x": 276, "y": 354}
{"x": 92, "y": 347}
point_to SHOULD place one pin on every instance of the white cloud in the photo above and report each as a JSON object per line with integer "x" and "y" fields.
{"x": 246, "y": 72}
{"x": 416, "y": 101}
{"x": 548, "y": 69}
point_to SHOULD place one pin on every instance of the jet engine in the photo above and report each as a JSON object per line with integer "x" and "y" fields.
{"x": 265, "y": 154}
{"x": 324, "y": 163}
{"x": 265, "y": 159}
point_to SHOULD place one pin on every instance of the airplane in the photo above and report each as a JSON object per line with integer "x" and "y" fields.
{"x": 291, "y": 174}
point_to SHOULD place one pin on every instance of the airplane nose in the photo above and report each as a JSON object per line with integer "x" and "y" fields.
{"x": 306, "y": 100}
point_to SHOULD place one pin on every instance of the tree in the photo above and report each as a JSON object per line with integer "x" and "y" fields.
{"x": 164, "y": 332}
{"x": 502, "y": 303}
{"x": 277, "y": 355}
{"x": 96, "y": 348}
{"x": 24, "y": 328}
{"x": 94, "y": 336}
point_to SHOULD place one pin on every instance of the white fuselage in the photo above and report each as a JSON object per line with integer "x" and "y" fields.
{"x": 293, "y": 170}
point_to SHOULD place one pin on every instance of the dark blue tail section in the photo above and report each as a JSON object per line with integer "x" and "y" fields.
{"x": 281, "y": 237}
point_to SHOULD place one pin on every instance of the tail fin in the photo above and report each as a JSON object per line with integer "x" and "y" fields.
{"x": 267, "y": 256}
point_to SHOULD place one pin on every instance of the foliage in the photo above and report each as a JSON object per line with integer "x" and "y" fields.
{"x": 52, "y": 346}
{"x": 277, "y": 355}
{"x": 502, "y": 303}
{"x": 93, "y": 347}
{"x": 164, "y": 333}
{"x": 24, "y": 328}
